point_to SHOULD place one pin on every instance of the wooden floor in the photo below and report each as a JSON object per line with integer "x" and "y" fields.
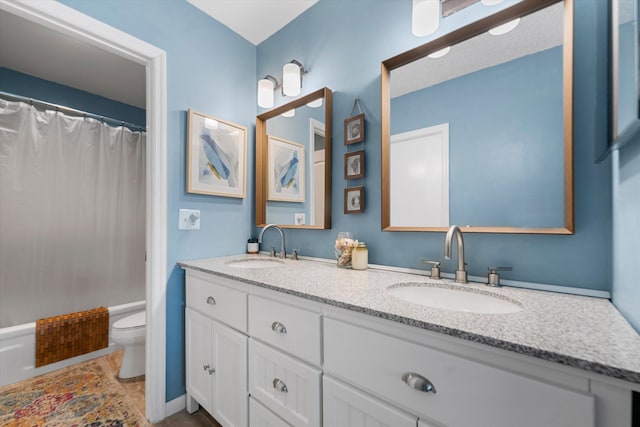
{"x": 135, "y": 391}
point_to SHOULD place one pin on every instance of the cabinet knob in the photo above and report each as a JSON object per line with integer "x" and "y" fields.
{"x": 211, "y": 300}
{"x": 418, "y": 382}
{"x": 278, "y": 327}
{"x": 212, "y": 371}
{"x": 279, "y": 385}
{"x": 205, "y": 367}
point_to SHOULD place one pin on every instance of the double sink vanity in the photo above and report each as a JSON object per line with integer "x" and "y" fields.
{"x": 304, "y": 343}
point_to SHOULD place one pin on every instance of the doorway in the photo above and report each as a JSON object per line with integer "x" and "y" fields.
{"x": 66, "y": 20}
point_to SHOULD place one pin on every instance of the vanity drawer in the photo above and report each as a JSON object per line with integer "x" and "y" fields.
{"x": 259, "y": 416}
{"x": 288, "y": 328}
{"x": 465, "y": 392}
{"x": 288, "y": 387}
{"x": 211, "y": 297}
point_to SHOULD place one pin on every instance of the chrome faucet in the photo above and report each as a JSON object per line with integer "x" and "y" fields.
{"x": 283, "y": 254}
{"x": 461, "y": 273}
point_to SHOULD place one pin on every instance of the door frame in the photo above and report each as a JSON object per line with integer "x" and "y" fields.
{"x": 69, "y": 21}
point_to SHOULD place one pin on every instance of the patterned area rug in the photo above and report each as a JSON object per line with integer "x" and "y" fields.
{"x": 82, "y": 395}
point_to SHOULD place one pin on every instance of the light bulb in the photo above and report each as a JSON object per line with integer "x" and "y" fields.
{"x": 265, "y": 93}
{"x": 425, "y": 17}
{"x": 289, "y": 113}
{"x": 291, "y": 79}
{"x": 315, "y": 103}
{"x": 491, "y": 2}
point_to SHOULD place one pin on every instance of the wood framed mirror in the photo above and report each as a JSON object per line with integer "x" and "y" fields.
{"x": 293, "y": 163}
{"x": 624, "y": 73}
{"x": 482, "y": 136}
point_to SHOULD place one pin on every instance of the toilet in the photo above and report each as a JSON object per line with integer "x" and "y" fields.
{"x": 130, "y": 333}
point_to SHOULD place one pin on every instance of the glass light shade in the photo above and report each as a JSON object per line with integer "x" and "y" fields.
{"x": 265, "y": 93}
{"x": 425, "y": 17}
{"x": 315, "y": 103}
{"x": 504, "y": 28}
{"x": 491, "y": 2}
{"x": 291, "y": 79}
{"x": 440, "y": 53}
{"x": 289, "y": 113}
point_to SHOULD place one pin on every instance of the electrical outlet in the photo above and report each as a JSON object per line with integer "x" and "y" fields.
{"x": 189, "y": 219}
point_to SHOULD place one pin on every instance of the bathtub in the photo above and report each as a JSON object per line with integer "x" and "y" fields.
{"x": 18, "y": 348}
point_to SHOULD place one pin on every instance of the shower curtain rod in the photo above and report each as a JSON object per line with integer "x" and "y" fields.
{"x": 73, "y": 111}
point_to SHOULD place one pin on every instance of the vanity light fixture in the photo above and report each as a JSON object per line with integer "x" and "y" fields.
{"x": 440, "y": 53}
{"x": 266, "y": 86}
{"x": 504, "y": 28}
{"x": 289, "y": 113}
{"x": 292, "y": 78}
{"x": 425, "y": 17}
{"x": 491, "y": 2}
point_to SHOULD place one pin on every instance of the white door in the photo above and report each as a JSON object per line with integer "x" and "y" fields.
{"x": 231, "y": 404}
{"x": 199, "y": 363}
{"x": 318, "y": 187}
{"x": 344, "y": 406}
{"x": 419, "y": 171}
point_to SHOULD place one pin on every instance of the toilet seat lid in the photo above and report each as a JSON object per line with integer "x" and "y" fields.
{"x": 135, "y": 320}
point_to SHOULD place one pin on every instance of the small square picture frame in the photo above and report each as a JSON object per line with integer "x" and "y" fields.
{"x": 354, "y": 200}
{"x": 354, "y": 129}
{"x": 354, "y": 165}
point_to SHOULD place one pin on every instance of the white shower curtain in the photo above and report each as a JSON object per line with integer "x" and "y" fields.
{"x": 72, "y": 214}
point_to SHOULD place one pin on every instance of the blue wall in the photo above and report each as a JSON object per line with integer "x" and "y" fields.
{"x": 506, "y": 156}
{"x": 212, "y": 70}
{"x": 344, "y": 54}
{"x": 33, "y": 87}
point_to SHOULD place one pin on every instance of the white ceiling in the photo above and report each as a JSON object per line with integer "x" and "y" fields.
{"x": 255, "y": 20}
{"x": 41, "y": 52}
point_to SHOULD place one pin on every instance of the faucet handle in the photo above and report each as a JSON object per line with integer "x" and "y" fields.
{"x": 273, "y": 251}
{"x": 493, "y": 278}
{"x": 435, "y": 268}
{"x": 294, "y": 254}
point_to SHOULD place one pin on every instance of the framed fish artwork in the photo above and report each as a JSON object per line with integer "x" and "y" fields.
{"x": 285, "y": 163}
{"x": 216, "y": 156}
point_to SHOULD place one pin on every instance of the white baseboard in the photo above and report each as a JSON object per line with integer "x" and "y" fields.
{"x": 176, "y": 405}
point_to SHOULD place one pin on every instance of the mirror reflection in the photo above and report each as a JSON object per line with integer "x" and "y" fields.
{"x": 295, "y": 160}
{"x": 625, "y": 63}
{"x": 478, "y": 130}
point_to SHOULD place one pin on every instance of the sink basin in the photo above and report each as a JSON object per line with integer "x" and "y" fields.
{"x": 255, "y": 263}
{"x": 453, "y": 299}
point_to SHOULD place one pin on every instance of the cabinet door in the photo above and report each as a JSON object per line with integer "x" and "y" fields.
{"x": 259, "y": 416}
{"x": 199, "y": 363}
{"x": 230, "y": 397}
{"x": 344, "y": 406}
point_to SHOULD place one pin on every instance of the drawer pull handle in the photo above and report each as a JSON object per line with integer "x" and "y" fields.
{"x": 211, "y": 300}
{"x": 280, "y": 386}
{"x": 418, "y": 382}
{"x": 278, "y": 327}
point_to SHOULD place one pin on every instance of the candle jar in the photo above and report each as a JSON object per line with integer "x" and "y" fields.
{"x": 360, "y": 257}
{"x": 343, "y": 248}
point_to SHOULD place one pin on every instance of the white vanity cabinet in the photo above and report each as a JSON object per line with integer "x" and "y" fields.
{"x": 216, "y": 354}
{"x": 447, "y": 389}
{"x": 264, "y": 358}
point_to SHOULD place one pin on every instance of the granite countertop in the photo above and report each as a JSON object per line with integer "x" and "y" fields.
{"x": 583, "y": 332}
